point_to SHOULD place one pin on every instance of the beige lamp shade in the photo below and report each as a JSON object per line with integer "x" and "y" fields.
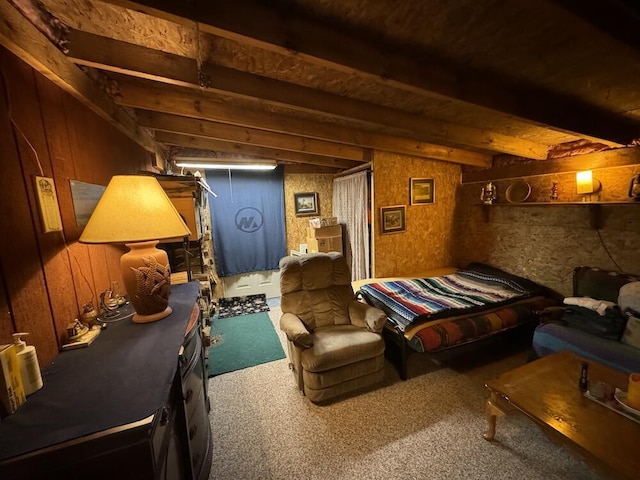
{"x": 135, "y": 210}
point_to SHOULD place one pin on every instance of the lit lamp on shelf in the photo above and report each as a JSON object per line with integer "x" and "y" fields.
{"x": 586, "y": 184}
{"x": 136, "y": 211}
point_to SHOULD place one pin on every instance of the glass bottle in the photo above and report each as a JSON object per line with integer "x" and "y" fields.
{"x": 116, "y": 294}
{"x": 583, "y": 383}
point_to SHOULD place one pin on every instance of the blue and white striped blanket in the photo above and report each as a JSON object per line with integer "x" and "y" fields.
{"x": 419, "y": 299}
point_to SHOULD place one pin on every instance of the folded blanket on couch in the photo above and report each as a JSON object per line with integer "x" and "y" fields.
{"x": 609, "y": 325}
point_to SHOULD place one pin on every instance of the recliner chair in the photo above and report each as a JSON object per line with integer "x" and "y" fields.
{"x": 335, "y": 345}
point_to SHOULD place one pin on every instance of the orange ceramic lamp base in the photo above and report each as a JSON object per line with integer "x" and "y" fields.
{"x": 146, "y": 275}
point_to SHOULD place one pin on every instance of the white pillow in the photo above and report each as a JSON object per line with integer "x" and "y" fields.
{"x": 629, "y": 297}
{"x": 631, "y": 335}
{"x": 599, "y": 306}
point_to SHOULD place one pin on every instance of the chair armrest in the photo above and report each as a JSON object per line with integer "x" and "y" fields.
{"x": 366, "y": 316}
{"x": 295, "y": 330}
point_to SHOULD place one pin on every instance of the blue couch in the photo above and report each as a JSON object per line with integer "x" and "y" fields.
{"x": 554, "y": 336}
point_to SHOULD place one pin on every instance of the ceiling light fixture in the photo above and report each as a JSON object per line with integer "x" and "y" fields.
{"x": 224, "y": 166}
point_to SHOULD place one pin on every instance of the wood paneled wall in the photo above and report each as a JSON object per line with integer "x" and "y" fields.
{"x": 428, "y": 241}
{"x": 45, "y": 278}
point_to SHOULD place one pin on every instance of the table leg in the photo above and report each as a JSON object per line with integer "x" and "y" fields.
{"x": 492, "y": 411}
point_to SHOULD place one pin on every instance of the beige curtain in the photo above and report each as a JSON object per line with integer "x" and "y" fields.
{"x": 350, "y": 200}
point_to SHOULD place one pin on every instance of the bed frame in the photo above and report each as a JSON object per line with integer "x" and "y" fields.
{"x": 528, "y": 310}
{"x": 400, "y": 343}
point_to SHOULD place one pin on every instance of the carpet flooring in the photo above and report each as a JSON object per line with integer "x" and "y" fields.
{"x": 242, "y": 342}
{"x": 428, "y": 427}
{"x": 234, "y": 306}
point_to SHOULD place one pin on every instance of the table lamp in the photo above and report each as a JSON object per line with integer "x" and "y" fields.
{"x": 136, "y": 211}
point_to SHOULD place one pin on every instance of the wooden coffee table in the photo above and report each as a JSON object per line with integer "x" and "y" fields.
{"x": 546, "y": 390}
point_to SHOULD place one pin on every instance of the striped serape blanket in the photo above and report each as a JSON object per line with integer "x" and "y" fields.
{"x": 420, "y": 299}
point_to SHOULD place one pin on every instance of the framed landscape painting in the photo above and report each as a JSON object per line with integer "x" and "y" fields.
{"x": 306, "y": 203}
{"x": 393, "y": 219}
{"x": 422, "y": 191}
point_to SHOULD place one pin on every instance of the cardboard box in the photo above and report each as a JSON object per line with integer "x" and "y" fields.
{"x": 11, "y": 387}
{"x": 330, "y": 231}
{"x": 317, "y": 222}
{"x": 325, "y": 244}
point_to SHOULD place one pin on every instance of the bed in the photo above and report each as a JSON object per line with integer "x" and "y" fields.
{"x": 454, "y": 307}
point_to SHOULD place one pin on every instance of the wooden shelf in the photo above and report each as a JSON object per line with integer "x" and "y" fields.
{"x": 595, "y": 208}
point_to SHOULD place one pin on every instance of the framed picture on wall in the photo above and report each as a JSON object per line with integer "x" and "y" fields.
{"x": 85, "y": 197}
{"x": 422, "y": 191}
{"x": 306, "y": 203}
{"x": 393, "y": 219}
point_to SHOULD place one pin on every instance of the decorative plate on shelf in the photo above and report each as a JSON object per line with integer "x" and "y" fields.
{"x": 518, "y": 192}
{"x": 621, "y": 397}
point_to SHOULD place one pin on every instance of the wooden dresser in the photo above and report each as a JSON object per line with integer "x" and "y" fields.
{"x": 133, "y": 405}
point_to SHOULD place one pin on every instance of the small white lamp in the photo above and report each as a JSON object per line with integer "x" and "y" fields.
{"x": 136, "y": 211}
{"x": 586, "y": 184}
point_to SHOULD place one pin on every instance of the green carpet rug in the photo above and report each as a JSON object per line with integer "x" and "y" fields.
{"x": 241, "y": 342}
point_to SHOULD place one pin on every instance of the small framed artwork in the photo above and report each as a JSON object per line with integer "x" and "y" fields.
{"x": 306, "y": 203}
{"x": 422, "y": 191}
{"x": 393, "y": 219}
{"x": 85, "y": 197}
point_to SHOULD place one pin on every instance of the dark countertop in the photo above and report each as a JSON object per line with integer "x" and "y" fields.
{"x": 124, "y": 376}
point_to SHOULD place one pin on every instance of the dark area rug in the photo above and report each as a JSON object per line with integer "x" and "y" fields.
{"x": 235, "y": 306}
{"x": 242, "y": 342}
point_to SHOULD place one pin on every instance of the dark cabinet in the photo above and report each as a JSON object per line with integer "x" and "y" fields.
{"x": 195, "y": 402}
{"x": 92, "y": 427}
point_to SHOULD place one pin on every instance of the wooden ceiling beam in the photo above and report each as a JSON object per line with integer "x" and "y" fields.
{"x": 281, "y": 156}
{"x": 606, "y": 159}
{"x": 302, "y": 169}
{"x": 249, "y": 136}
{"x": 19, "y": 36}
{"x": 288, "y": 33}
{"x": 148, "y": 95}
{"x": 96, "y": 51}
{"x": 121, "y": 57}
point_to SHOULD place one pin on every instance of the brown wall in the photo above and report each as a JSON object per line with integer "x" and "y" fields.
{"x": 428, "y": 241}
{"x": 546, "y": 242}
{"x": 296, "y": 227}
{"x": 46, "y": 277}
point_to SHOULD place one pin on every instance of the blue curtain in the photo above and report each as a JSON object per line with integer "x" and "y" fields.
{"x": 247, "y": 218}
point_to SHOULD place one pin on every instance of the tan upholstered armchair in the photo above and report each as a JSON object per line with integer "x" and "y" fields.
{"x": 335, "y": 344}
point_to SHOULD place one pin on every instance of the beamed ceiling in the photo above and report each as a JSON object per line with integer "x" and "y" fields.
{"x": 319, "y": 84}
